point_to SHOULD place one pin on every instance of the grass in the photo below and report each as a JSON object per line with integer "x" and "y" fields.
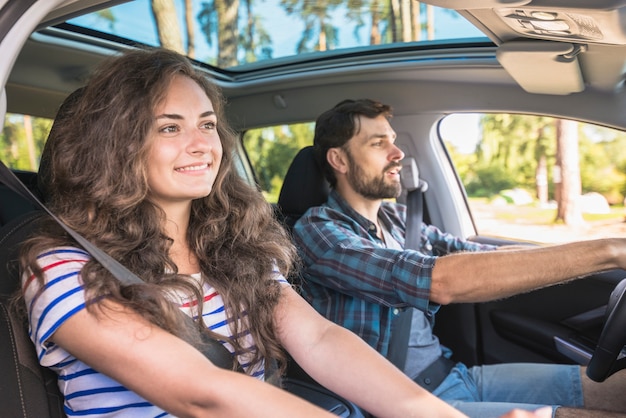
{"x": 537, "y": 215}
{"x": 537, "y": 224}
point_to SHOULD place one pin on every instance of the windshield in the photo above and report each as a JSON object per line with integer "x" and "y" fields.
{"x": 228, "y": 34}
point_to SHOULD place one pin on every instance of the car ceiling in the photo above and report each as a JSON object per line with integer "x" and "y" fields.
{"x": 436, "y": 79}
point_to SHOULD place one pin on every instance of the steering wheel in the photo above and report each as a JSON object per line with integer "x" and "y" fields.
{"x": 608, "y": 356}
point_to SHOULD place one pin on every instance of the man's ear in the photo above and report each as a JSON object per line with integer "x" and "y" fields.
{"x": 337, "y": 159}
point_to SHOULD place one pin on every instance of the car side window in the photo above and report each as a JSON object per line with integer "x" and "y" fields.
{"x": 537, "y": 178}
{"x": 270, "y": 151}
{"x": 22, "y": 139}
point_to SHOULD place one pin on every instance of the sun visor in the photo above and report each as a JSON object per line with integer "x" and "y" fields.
{"x": 545, "y": 67}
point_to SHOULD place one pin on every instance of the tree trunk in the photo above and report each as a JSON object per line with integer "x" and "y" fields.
{"x": 405, "y": 18}
{"x": 30, "y": 142}
{"x": 191, "y": 38}
{"x": 416, "y": 20}
{"x": 168, "y": 29}
{"x": 227, "y": 32}
{"x": 567, "y": 179}
{"x": 375, "y": 36}
{"x": 541, "y": 180}
{"x": 430, "y": 25}
{"x": 394, "y": 12}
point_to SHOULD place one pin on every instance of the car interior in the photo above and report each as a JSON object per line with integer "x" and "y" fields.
{"x": 561, "y": 59}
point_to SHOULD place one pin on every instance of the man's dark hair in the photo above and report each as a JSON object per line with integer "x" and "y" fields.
{"x": 336, "y": 126}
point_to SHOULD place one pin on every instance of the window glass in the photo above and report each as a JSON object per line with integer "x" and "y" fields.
{"x": 271, "y": 150}
{"x": 22, "y": 139}
{"x": 256, "y": 33}
{"x": 537, "y": 178}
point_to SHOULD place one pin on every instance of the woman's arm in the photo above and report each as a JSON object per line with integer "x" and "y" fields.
{"x": 343, "y": 363}
{"x": 168, "y": 372}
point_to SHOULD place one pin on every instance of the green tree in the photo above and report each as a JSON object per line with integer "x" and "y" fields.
{"x": 603, "y": 162}
{"x": 271, "y": 150}
{"x": 317, "y": 27}
{"x": 15, "y": 150}
{"x": 517, "y": 143}
{"x": 219, "y": 19}
{"x": 254, "y": 40}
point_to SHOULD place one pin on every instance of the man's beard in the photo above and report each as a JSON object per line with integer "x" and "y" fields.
{"x": 374, "y": 188}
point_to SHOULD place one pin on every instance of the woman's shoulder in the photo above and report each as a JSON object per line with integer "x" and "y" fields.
{"x": 64, "y": 253}
{"x": 57, "y": 263}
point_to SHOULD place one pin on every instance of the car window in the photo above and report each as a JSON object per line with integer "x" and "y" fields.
{"x": 538, "y": 178}
{"x": 270, "y": 151}
{"x": 22, "y": 140}
{"x": 250, "y": 34}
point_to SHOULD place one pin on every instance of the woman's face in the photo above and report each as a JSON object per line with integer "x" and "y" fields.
{"x": 186, "y": 150}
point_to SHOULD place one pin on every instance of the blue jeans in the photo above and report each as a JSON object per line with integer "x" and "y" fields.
{"x": 491, "y": 391}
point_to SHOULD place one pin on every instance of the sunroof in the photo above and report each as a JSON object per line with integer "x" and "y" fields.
{"x": 262, "y": 30}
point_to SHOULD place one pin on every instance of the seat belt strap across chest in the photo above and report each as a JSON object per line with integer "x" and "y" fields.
{"x": 211, "y": 348}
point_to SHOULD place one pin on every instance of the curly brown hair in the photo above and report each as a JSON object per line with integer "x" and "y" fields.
{"x": 96, "y": 182}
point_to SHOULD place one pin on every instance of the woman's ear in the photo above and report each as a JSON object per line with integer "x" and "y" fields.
{"x": 337, "y": 159}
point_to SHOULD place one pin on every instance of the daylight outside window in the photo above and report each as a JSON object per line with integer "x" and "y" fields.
{"x": 262, "y": 31}
{"x": 537, "y": 178}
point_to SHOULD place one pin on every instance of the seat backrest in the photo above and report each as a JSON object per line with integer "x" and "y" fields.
{"x": 27, "y": 389}
{"x": 12, "y": 204}
{"x": 304, "y": 186}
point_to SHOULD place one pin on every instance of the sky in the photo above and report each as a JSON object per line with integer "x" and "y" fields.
{"x": 274, "y": 18}
{"x": 462, "y": 130}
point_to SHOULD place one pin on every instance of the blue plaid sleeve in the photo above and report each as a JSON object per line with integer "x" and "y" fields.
{"x": 339, "y": 254}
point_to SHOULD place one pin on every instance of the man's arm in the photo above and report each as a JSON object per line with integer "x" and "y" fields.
{"x": 483, "y": 276}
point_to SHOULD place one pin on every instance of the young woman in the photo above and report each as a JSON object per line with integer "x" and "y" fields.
{"x": 141, "y": 165}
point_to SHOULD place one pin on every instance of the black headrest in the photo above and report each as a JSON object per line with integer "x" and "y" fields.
{"x": 65, "y": 111}
{"x": 304, "y": 185}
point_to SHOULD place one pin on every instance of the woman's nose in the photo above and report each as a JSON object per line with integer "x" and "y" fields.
{"x": 199, "y": 142}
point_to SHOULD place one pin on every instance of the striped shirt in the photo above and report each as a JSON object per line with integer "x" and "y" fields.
{"x": 87, "y": 392}
{"x": 353, "y": 279}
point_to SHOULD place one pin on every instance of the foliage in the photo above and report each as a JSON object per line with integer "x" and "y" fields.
{"x": 487, "y": 180}
{"x": 317, "y": 27}
{"x": 271, "y": 150}
{"x": 509, "y": 148}
{"x": 14, "y": 149}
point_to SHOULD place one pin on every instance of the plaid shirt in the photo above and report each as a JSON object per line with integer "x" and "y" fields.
{"x": 351, "y": 278}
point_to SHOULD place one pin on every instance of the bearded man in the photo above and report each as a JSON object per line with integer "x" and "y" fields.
{"x": 357, "y": 273}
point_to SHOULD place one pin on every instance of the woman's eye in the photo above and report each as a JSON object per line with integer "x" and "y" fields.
{"x": 169, "y": 129}
{"x": 209, "y": 125}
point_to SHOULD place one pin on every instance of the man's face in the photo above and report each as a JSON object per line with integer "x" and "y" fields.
{"x": 374, "y": 160}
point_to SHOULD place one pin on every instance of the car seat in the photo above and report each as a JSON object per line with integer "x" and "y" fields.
{"x": 304, "y": 186}
{"x": 13, "y": 205}
{"x": 27, "y": 389}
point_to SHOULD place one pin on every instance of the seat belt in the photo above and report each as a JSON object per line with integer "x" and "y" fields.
{"x": 210, "y": 347}
{"x": 401, "y": 324}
